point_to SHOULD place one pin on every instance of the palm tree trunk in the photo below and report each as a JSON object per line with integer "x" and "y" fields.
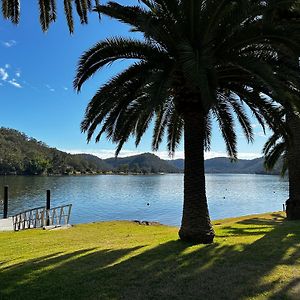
{"x": 196, "y": 226}
{"x": 293, "y": 203}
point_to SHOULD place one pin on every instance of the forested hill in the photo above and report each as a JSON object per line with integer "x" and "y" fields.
{"x": 23, "y": 155}
{"x": 20, "y": 154}
{"x": 143, "y": 163}
{"x": 225, "y": 165}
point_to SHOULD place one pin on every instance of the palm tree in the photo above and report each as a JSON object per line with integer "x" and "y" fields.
{"x": 275, "y": 151}
{"x": 293, "y": 162}
{"x": 282, "y": 147}
{"x": 285, "y": 149}
{"x": 11, "y": 11}
{"x": 293, "y": 122}
{"x": 198, "y": 60}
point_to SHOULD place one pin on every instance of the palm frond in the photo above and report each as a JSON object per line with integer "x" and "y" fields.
{"x": 175, "y": 129}
{"x": 48, "y": 13}
{"x": 274, "y": 155}
{"x": 108, "y": 51}
{"x": 11, "y": 10}
{"x": 222, "y": 113}
{"x": 214, "y": 56}
{"x": 69, "y": 14}
{"x": 45, "y": 14}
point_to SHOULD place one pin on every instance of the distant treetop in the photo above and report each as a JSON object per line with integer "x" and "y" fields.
{"x": 11, "y": 11}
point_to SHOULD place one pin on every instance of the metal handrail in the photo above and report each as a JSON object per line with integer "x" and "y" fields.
{"x": 40, "y": 217}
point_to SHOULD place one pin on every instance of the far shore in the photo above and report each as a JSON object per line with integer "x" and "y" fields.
{"x": 131, "y": 174}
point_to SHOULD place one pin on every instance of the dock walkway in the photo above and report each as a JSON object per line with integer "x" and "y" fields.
{"x": 6, "y": 224}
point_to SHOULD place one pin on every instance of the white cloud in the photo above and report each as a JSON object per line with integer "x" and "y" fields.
{"x": 51, "y": 89}
{"x": 4, "y": 77}
{"x": 65, "y": 88}
{"x": 15, "y": 83}
{"x": 105, "y": 153}
{"x": 3, "y": 74}
{"x": 9, "y": 43}
{"x": 245, "y": 155}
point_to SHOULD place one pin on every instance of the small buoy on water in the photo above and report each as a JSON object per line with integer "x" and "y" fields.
{"x": 224, "y": 197}
{"x": 148, "y": 203}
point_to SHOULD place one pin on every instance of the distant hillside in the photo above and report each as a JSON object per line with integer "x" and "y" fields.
{"x": 143, "y": 163}
{"x": 95, "y": 161}
{"x": 20, "y": 154}
{"x": 178, "y": 163}
{"x": 23, "y": 155}
{"x": 225, "y": 165}
{"x": 241, "y": 166}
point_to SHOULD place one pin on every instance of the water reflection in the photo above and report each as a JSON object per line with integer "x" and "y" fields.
{"x": 157, "y": 198}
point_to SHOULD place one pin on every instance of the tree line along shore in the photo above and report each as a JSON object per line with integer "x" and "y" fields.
{"x": 28, "y": 156}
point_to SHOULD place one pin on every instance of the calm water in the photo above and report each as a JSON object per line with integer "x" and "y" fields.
{"x": 155, "y": 198}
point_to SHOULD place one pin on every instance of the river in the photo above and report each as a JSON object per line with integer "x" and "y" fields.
{"x": 153, "y": 197}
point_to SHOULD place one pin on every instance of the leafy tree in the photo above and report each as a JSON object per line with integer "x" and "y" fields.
{"x": 29, "y": 156}
{"x": 37, "y": 165}
{"x": 124, "y": 168}
{"x": 198, "y": 61}
{"x": 136, "y": 168}
{"x": 48, "y": 15}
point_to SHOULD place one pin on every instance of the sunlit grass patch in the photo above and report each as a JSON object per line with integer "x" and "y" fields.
{"x": 254, "y": 257}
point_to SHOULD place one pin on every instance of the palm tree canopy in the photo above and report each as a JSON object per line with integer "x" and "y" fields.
{"x": 11, "y": 11}
{"x": 276, "y": 148}
{"x": 275, "y": 151}
{"x": 213, "y": 56}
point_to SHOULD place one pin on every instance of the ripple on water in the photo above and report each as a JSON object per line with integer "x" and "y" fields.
{"x": 153, "y": 197}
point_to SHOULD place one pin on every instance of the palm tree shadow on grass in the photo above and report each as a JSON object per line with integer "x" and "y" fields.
{"x": 171, "y": 270}
{"x": 257, "y": 226}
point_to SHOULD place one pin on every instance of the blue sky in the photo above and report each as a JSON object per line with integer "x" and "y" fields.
{"x": 36, "y": 74}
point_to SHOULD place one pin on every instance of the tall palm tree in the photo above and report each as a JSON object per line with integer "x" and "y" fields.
{"x": 293, "y": 122}
{"x": 198, "y": 60}
{"x": 293, "y": 162}
{"x": 285, "y": 149}
{"x": 11, "y": 11}
{"x": 288, "y": 148}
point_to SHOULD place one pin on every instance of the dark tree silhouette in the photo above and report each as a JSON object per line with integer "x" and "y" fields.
{"x": 281, "y": 146}
{"x": 11, "y": 11}
{"x": 198, "y": 60}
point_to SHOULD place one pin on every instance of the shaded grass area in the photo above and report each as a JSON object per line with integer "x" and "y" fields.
{"x": 254, "y": 257}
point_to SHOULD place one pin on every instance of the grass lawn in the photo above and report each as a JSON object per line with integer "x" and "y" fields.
{"x": 254, "y": 257}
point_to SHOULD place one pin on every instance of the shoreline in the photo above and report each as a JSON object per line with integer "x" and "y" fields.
{"x": 151, "y": 223}
{"x": 128, "y": 174}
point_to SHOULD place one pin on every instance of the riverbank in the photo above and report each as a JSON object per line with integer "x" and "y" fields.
{"x": 253, "y": 257}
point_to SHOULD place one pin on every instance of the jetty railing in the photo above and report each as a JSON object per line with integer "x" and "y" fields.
{"x": 41, "y": 216}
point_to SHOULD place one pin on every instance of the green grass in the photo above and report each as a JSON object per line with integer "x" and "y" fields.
{"x": 254, "y": 257}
